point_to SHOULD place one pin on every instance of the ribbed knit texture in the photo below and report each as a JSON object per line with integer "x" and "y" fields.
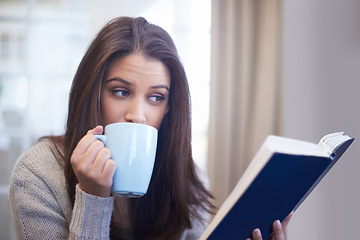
{"x": 41, "y": 206}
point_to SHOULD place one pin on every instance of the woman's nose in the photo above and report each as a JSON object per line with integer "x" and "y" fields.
{"x": 135, "y": 112}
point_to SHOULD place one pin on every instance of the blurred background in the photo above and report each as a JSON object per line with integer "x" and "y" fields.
{"x": 43, "y": 41}
{"x": 321, "y": 95}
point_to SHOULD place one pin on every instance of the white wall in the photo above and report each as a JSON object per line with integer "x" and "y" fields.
{"x": 322, "y": 73}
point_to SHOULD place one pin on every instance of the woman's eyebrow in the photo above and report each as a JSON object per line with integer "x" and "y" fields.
{"x": 119, "y": 80}
{"x": 129, "y": 83}
{"x": 161, "y": 86}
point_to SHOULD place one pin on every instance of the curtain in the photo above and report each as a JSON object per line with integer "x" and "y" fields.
{"x": 245, "y": 88}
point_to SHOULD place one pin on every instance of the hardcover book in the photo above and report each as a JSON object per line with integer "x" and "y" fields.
{"x": 278, "y": 179}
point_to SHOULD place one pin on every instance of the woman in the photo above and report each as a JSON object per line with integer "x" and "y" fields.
{"x": 60, "y": 188}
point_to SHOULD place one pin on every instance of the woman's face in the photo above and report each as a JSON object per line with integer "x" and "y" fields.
{"x": 136, "y": 90}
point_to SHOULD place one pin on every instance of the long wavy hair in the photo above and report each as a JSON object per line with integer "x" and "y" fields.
{"x": 175, "y": 193}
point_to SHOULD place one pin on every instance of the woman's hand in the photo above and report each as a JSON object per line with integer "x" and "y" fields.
{"x": 278, "y": 230}
{"x": 92, "y": 164}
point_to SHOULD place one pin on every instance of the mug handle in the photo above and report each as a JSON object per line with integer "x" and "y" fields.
{"x": 101, "y": 138}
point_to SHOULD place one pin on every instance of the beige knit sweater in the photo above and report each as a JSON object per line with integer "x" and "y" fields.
{"x": 41, "y": 207}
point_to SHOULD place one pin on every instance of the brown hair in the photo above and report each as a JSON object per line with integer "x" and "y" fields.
{"x": 175, "y": 194}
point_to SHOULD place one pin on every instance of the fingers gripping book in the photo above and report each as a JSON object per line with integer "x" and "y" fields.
{"x": 278, "y": 179}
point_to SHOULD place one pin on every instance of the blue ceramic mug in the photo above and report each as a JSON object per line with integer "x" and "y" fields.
{"x": 133, "y": 148}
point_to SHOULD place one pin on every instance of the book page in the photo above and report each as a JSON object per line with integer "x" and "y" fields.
{"x": 295, "y": 147}
{"x": 331, "y": 141}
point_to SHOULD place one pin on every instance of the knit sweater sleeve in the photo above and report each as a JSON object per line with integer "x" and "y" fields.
{"x": 91, "y": 216}
{"x": 41, "y": 207}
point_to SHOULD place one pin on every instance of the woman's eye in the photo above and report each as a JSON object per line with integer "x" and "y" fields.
{"x": 121, "y": 92}
{"x": 156, "y": 98}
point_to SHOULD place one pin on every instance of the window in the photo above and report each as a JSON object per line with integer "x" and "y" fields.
{"x": 41, "y": 45}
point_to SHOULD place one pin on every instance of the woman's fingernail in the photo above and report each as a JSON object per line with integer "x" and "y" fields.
{"x": 257, "y": 233}
{"x": 277, "y": 224}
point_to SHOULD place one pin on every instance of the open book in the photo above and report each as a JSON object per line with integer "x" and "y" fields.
{"x": 278, "y": 179}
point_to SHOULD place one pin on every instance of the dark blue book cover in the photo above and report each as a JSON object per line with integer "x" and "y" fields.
{"x": 279, "y": 187}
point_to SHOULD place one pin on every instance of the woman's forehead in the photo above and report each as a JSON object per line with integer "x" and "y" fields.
{"x": 136, "y": 67}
